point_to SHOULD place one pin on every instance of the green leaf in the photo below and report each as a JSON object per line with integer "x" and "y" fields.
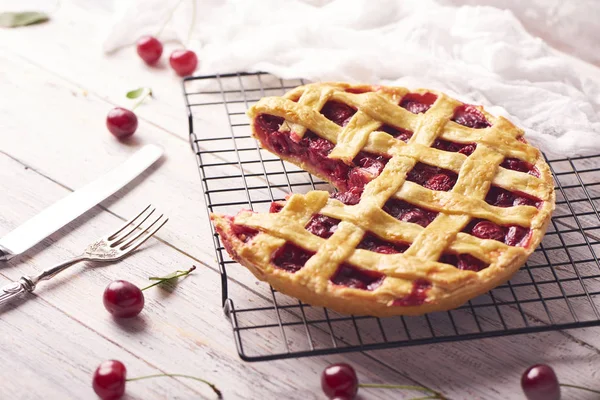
{"x": 16, "y": 19}
{"x": 134, "y": 94}
{"x": 172, "y": 277}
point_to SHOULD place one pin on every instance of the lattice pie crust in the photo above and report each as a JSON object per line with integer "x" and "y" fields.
{"x": 440, "y": 201}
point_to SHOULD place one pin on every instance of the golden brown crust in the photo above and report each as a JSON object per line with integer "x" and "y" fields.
{"x": 450, "y": 287}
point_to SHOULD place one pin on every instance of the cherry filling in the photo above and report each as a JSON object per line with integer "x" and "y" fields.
{"x": 275, "y": 207}
{"x": 470, "y": 116}
{"x": 242, "y": 232}
{"x": 466, "y": 149}
{"x": 417, "y": 296}
{"x": 418, "y": 103}
{"x": 512, "y": 235}
{"x": 519, "y": 165}
{"x": 339, "y": 113}
{"x": 465, "y": 262}
{"x": 356, "y": 278}
{"x": 349, "y": 197}
{"x": 314, "y": 149}
{"x": 398, "y": 133}
{"x": 291, "y": 257}
{"x": 322, "y": 225}
{"x": 368, "y": 167}
{"x": 372, "y": 242}
{"x": 504, "y": 198}
{"x": 407, "y": 212}
{"x": 433, "y": 178}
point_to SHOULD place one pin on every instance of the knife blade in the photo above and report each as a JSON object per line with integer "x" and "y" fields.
{"x": 75, "y": 204}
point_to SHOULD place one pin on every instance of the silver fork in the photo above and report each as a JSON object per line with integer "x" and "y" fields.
{"x": 112, "y": 247}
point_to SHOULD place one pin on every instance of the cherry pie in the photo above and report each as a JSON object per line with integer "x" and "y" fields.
{"x": 438, "y": 200}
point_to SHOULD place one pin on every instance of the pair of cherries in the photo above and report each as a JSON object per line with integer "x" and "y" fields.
{"x": 183, "y": 62}
{"x": 122, "y": 122}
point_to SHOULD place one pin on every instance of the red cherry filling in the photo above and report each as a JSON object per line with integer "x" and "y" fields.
{"x": 470, "y": 116}
{"x": 433, "y": 178}
{"x": 349, "y": 197}
{"x": 512, "y": 235}
{"x": 339, "y": 113}
{"x": 466, "y": 149}
{"x": 356, "y": 278}
{"x": 418, "y": 103}
{"x": 503, "y": 198}
{"x": 398, "y": 133}
{"x": 269, "y": 123}
{"x": 465, "y": 262}
{"x": 519, "y": 165}
{"x": 407, "y": 212}
{"x": 417, "y": 296}
{"x": 291, "y": 257}
{"x": 314, "y": 149}
{"x": 372, "y": 242}
{"x": 517, "y": 236}
{"x": 488, "y": 230}
{"x": 322, "y": 225}
{"x": 243, "y": 233}
{"x": 275, "y": 207}
{"x": 368, "y": 167}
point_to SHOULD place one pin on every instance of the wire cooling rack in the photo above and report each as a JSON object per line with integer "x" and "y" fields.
{"x": 558, "y": 288}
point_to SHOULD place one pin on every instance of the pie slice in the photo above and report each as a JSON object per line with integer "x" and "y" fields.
{"x": 439, "y": 201}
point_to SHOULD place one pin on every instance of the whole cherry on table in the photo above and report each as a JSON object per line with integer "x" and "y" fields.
{"x": 125, "y": 300}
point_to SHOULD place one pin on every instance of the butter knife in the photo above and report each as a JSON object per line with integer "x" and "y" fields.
{"x": 75, "y": 204}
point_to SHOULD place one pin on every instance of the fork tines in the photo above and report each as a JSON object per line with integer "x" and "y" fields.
{"x": 136, "y": 231}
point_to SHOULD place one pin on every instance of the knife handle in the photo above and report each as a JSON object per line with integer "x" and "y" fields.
{"x": 15, "y": 289}
{"x": 5, "y": 255}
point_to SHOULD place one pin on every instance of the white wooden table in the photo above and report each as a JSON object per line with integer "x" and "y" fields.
{"x": 56, "y": 88}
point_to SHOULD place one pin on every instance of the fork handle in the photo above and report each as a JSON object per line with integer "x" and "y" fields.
{"x": 15, "y": 289}
{"x": 54, "y": 270}
{"x": 27, "y": 283}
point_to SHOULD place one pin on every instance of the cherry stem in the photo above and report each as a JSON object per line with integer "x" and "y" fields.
{"x": 165, "y": 279}
{"x": 162, "y": 28}
{"x": 435, "y": 395}
{"x": 579, "y": 387}
{"x": 213, "y": 387}
{"x": 140, "y": 101}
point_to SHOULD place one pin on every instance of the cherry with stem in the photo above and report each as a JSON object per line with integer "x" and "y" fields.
{"x": 339, "y": 381}
{"x": 110, "y": 377}
{"x": 125, "y": 300}
{"x": 539, "y": 382}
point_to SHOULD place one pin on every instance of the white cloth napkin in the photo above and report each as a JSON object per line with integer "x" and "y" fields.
{"x": 479, "y": 54}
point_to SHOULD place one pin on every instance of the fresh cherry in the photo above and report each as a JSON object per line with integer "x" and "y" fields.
{"x": 149, "y": 49}
{"x": 121, "y": 122}
{"x": 109, "y": 380}
{"x": 539, "y": 382}
{"x": 123, "y": 299}
{"x": 184, "y": 62}
{"x": 339, "y": 381}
